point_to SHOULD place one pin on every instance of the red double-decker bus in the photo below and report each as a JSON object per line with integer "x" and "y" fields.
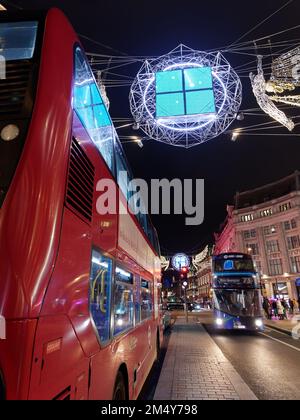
{"x": 79, "y": 291}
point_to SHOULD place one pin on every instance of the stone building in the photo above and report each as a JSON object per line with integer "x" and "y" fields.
{"x": 265, "y": 222}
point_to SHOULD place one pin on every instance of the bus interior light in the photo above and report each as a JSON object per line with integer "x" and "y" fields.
{"x": 10, "y": 132}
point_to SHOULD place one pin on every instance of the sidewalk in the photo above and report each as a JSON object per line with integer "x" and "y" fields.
{"x": 196, "y": 369}
{"x": 285, "y": 326}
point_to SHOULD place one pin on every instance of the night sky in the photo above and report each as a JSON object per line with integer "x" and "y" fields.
{"x": 139, "y": 27}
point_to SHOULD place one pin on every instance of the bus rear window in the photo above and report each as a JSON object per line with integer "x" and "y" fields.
{"x": 17, "y": 40}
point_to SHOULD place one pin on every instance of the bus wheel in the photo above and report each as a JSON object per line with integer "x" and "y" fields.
{"x": 120, "y": 389}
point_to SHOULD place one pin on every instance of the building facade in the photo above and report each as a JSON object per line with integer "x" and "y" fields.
{"x": 265, "y": 222}
{"x": 199, "y": 283}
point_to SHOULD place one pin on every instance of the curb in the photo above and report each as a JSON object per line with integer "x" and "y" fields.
{"x": 282, "y": 330}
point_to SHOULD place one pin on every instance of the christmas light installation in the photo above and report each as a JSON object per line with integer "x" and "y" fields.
{"x": 285, "y": 78}
{"x": 185, "y": 97}
{"x": 259, "y": 87}
{"x": 179, "y": 261}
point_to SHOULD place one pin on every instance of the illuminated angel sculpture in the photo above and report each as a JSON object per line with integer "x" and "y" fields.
{"x": 260, "y": 87}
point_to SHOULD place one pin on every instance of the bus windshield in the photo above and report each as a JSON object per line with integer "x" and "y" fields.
{"x": 229, "y": 265}
{"x": 17, "y": 40}
{"x": 238, "y": 302}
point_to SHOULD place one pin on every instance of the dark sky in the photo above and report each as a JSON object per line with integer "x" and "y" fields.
{"x": 140, "y": 27}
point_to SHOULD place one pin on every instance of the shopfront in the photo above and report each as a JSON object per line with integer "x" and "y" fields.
{"x": 298, "y": 287}
{"x": 281, "y": 290}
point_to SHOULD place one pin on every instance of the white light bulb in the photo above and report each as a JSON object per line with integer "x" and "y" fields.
{"x": 10, "y": 132}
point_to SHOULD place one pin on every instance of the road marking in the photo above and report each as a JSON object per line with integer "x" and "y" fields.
{"x": 282, "y": 342}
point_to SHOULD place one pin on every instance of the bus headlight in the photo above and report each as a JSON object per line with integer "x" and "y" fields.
{"x": 219, "y": 322}
{"x": 259, "y": 323}
{"x": 10, "y": 132}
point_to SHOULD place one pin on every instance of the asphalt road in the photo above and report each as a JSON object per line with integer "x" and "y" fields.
{"x": 269, "y": 363}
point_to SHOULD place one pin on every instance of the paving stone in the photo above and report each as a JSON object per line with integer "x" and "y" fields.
{"x": 195, "y": 368}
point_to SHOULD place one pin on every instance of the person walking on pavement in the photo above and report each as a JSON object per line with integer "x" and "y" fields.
{"x": 267, "y": 308}
{"x": 285, "y": 307}
{"x": 274, "y": 307}
{"x": 291, "y": 303}
{"x": 280, "y": 310}
{"x": 296, "y": 306}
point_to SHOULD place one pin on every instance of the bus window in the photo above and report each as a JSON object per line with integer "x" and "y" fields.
{"x": 91, "y": 110}
{"x": 137, "y": 301}
{"x": 17, "y": 40}
{"x": 123, "y": 173}
{"x": 146, "y": 300}
{"x": 123, "y": 301}
{"x": 100, "y": 294}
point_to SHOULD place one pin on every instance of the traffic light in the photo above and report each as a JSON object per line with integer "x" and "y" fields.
{"x": 184, "y": 272}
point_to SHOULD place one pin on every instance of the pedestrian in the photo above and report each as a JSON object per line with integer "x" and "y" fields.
{"x": 280, "y": 310}
{"x": 285, "y": 307}
{"x": 274, "y": 307}
{"x": 291, "y": 303}
{"x": 296, "y": 306}
{"x": 267, "y": 308}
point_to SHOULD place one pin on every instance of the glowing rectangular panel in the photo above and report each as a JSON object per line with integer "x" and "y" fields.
{"x": 169, "y": 81}
{"x": 170, "y": 104}
{"x": 200, "y": 102}
{"x": 198, "y": 78}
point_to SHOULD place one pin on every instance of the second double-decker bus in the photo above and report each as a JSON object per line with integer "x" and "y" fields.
{"x": 79, "y": 288}
{"x": 236, "y": 293}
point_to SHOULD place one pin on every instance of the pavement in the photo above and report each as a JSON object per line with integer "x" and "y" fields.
{"x": 286, "y": 325}
{"x": 196, "y": 369}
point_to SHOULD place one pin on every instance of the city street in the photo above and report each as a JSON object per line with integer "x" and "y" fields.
{"x": 271, "y": 368}
{"x": 149, "y": 202}
{"x": 269, "y": 362}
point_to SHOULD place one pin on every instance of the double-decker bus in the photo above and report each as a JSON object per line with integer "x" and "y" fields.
{"x": 236, "y": 293}
{"x": 79, "y": 305}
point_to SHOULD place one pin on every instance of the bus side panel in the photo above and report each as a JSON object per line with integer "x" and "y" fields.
{"x": 30, "y": 218}
{"x": 104, "y": 368}
{"x": 68, "y": 292}
{"x": 59, "y": 362}
{"x": 104, "y": 227}
{"x": 16, "y": 358}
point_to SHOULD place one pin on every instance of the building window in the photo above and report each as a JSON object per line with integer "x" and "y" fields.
{"x": 273, "y": 246}
{"x": 293, "y": 242}
{"x": 100, "y": 294}
{"x": 249, "y": 234}
{"x": 295, "y": 264}
{"x": 258, "y": 266}
{"x": 123, "y": 301}
{"x": 253, "y": 249}
{"x": 288, "y": 225}
{"x": 275, "y": 267}
{"x": 269, "y": 230}
{"x": 293, "y": 224}
{"x": 285, "y": 207}
{"x": 266, "y": 213}
{"x": 247, "y": 218}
